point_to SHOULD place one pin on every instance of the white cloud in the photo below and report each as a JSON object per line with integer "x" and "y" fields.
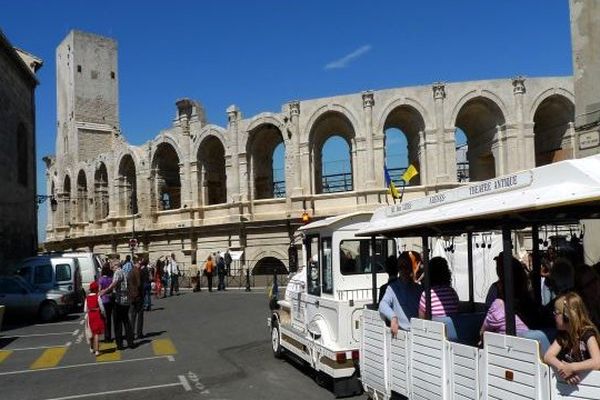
{"x": 344, "y": 61}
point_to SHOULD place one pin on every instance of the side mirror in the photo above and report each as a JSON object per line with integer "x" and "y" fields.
{"x": 293, "y": 258}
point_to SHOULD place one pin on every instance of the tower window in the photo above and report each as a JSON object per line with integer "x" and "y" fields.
{"x": 79, "y": 68}
{"x": 112, "y": 74}
{"x": 94, "y": 74}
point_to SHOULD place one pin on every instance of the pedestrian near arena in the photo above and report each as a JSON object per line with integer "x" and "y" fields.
{"x": 174, "y": 273}
{"x": 146, "y": 283}
{"x": 209, "y": 267}
{"x": 158, "y": 277}
{"x": 94, "y": 312}
{"x": 221, "y": 272}
{"x": 108, "y": 301}
{"x": 119, "y": 286}
{"x": 228, "y": 260}
{"x": 136, "y": 300}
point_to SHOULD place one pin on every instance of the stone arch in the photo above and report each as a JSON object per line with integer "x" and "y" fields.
{"x": 535, "y": 104}
{"x": 212, "y": 178}
{"x": 211, "y": 131}
{"x": 81, "y": 199}
{"x": 166, "y": 177}
{"x": 267, "y": 265}
{"x": 66, "y": 200}
{"x": 399, "y": 102}
{"x": 328, "y": 122}
{"x": 552, "y": 121}
{"x": 169, "y": 139}
{"x": 263, "y": 139}
{"x": 265, "y": 118}
{"x": 409, "y": 121}
{"x": 127, "y": 185}
{"x": 480, "y": 117}
{"x": 266, "y": 254}
{"x": 101, "y": 192}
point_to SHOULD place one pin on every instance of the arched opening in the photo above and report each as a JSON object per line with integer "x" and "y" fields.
{"x": 462, "y": 163}
{"x": 267, "y": 265}
{"x": 101, "y": 193}
{"x": 167, "y": 182}
{"x": 22, "y": 156}
{"x": 127, "y": 190}
{"x": 260, "y": 149}
{"x": 480, "y": 119}
{"x": 551, "y": 127}
{"x": 212, "y": 180}
{"x": 82, "y": 197}
{"x": 66, "y": 201}
{"x": 401, "y": 130}
{"x": 331, "y": 140}
{"x": 279, "y": 171}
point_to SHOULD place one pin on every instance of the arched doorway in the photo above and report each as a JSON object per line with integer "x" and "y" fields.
{"x": 267, "y": 265}
{"x": 552, "y": 121}
{"x": 262, "y": 143}
{"x": 212, "y": 179}
{"x": 127, "y": 186}
{"x": 82, "y": 197}
{"x": 167, "y": 182}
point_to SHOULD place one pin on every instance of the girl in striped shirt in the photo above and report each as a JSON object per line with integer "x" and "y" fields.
{"x": 444, "y": 299}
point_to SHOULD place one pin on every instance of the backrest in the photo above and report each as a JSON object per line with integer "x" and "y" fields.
{"x": 462, "y": 328}
{"x": 539, "y": 336}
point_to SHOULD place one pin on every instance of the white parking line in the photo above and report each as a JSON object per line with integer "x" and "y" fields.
{"x": 185, "y": 383}
{"x": 37, "y": 335}
{"x": 39, "y": 347}
{"x": 61, "y": 323}
{"x": 93, "y": 364}
{"x": 96, "y": 394}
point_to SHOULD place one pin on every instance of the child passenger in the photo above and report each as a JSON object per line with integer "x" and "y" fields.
{"x": 576, "y": 348}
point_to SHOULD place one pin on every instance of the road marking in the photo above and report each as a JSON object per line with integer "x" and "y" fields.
{"x": 162, "y": 347}
{"x": 60, "y": 323}
{"x": 93, "y": 364}
{"x": 108, "y": 352}
{"x": 49, "y": 358}
{"x": 4, "y": 354}
{"x": 75, "y": 332}
{"x": 185, "y": 383}
{"x": 36, "y": 335}
{"x": 39, "y": 347}
{"x": 137, "y": 389}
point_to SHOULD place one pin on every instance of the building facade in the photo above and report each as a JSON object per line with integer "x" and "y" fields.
{"x": 18, "y": 223}
{"x": 197, "y": 187}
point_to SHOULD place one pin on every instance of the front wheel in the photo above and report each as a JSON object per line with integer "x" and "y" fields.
{"x": 276, "y": 340}
{"x": 48, "y": 312}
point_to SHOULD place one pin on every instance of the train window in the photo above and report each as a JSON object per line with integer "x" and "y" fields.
{"x": 327, "y": 266}
{"x": 355, "y": 256}
{"x": 313, "y": 277}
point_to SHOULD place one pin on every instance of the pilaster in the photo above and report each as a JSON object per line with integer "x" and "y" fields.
{"x": 520, "y": 150}
{"x": 294, "y": 111}
{"x": 233, "y": 117}
{"x": 368, "y": 101}
{"x": 440, "y": 151}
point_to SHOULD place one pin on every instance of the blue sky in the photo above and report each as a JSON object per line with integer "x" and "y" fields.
{"x": 260, "y": 54}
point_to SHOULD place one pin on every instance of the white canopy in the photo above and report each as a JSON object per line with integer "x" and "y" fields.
{"x": 570, "y": 187}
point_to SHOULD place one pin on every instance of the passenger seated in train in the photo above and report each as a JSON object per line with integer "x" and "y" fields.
{"x": 400, "y": 302}
{"x": 575, "y": 349}
{"x": 444, "y": 299}
{"x": 587, "y": 286}
{"x": 525, "y": 310}
{"x": 391, "y": 268}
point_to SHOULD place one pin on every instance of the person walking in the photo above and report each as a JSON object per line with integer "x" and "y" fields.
{"x": 208, "y": 271}
{"x": 108, "y": 301}
{"x": 174, "y": 273}
{"x": 221, "y": 272}
{"x": 158, "y": 277}
{"x": 119, "y": 286}
{"x": 136, "y": 300}
{"x": 94, "y": 311}
{"x": 146, "y": 282}
{"x": 228, "y": 260}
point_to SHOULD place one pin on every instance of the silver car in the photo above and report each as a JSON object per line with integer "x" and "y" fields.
{"x": 22, "y": 299}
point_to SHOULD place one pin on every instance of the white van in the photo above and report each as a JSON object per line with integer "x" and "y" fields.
{"x": 89, "y": 265}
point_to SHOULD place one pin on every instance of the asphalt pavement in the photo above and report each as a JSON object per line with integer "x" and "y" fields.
{"x": 196, "y": 346}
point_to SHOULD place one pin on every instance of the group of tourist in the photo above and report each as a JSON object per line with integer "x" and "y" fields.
{"x": 216, "y": 263}
{"x": 570, "y": 313}
{"x": 117, "y": 301}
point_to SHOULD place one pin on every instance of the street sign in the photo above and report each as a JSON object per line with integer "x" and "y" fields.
{"x": 133, "y": 243}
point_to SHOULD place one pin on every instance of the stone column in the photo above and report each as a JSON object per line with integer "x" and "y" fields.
{"x": 423, "y": 158}
{"x": 518, "y": 158}
{"x": 195, "y": 189}
{"x": 294, "y": 127}
{"x": 368, "y": 103}
{"x": 440, "y": 163}
{"x": 233, "y": 117}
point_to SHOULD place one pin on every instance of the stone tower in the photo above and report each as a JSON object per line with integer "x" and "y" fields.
{"x": 87, "y": 96}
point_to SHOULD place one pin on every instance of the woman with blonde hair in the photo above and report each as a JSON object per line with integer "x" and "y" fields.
{"x": 576, "y": 348}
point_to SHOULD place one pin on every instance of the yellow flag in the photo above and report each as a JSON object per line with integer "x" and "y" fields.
{"x": 410, "y": 173}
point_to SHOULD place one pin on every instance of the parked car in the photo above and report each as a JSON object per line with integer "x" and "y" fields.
{"x": 90, "y": 266}
{"x": 54, "y": 273}
{"x": 22, "y": 299}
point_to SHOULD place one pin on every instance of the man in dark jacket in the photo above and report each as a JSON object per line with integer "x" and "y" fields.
{"x": 221, "y": 272}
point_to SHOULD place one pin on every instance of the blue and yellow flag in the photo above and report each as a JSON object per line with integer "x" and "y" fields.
{"x": 390, "y": 184}
{"x": 410, "y": 173}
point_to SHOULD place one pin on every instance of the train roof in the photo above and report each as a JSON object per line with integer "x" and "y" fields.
{"x": 347, "y": 221}
{"x": 561, "y": 192}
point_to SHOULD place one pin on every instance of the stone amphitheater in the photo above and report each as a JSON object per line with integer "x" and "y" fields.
{"x": 197, "y": 187}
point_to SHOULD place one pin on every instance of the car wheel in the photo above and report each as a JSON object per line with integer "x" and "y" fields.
{"x": 276, "y": 340}
{"x": 48, "y": 312}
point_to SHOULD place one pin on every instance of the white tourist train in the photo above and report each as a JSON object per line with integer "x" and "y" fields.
{"x": 328, "y": 320}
